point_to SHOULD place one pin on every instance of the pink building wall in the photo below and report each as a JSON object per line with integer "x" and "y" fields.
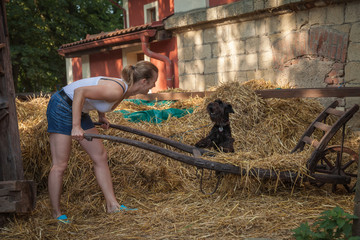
{"x": 136, "y": 12}
{"x": 213, "y": 3}
{"x": 106, "y": 64}
{"x": 77, "y": 68}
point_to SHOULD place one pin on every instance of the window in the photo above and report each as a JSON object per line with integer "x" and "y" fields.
{"x": 151, "y": 12}
{"x": 151, "y": 15}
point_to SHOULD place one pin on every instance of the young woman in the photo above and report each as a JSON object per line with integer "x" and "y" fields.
{"x": 68, "y": 119}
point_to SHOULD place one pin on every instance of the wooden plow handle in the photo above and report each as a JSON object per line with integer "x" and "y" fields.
{"x": 264, "y": 174}
{"x": 178, "y": 145}
{"x": 197, "y": 162}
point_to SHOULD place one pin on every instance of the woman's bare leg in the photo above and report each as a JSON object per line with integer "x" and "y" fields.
{"x": 60, "y": 146}
{"x": 97, "y": 152}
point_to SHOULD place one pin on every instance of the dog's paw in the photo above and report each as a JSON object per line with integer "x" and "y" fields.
{"x": 203, "y": 143}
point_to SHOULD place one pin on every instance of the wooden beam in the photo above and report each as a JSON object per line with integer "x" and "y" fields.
{"x": 17, "y": 196}
{"x": 268, "y": 93}
{"x": 310, "y": 92}
{"x": 171, "y": 95}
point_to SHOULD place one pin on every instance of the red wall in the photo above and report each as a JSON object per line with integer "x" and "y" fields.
{"x": 166, "y": 8}
{"x": 136, "y": 10}
{"x": 77, "y": 68}
{"x": 106, "y": 64}
{"x": 213, "y": 3}
{"x": 168, "y": 48}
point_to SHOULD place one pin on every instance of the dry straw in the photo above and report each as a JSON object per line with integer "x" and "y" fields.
{"x": 167, "y": 191}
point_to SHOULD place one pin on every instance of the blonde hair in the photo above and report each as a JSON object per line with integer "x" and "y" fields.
{"x": 133, "y": 73}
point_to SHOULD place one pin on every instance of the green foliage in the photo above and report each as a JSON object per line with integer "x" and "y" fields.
{"x": 38, "y": 28}
{"x": 332, "y": 224}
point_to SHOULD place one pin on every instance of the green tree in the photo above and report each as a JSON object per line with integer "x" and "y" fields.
{"x": 37, "y": 28}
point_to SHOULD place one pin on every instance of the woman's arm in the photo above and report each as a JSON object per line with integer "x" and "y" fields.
{"x": 104, "y": 120}
{"x": 107, "y": 92}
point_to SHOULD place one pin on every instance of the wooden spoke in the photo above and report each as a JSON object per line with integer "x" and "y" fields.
{"x": 341, "y": 162}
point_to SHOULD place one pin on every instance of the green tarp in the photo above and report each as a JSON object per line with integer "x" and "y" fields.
{"x": 153, "y": 116}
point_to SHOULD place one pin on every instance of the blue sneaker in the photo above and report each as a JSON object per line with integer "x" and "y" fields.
{"x": 124, "y": 208}
{"x": 63, "y": 219}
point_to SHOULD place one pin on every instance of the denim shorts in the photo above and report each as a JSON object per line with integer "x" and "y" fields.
{"x": 59, "y": 116}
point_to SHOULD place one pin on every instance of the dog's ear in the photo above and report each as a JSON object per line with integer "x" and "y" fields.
{"x": 218, "y": 101}
{"x": 229, "y": 109}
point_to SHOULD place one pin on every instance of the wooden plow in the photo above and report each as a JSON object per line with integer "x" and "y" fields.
{"x": 322, "y": 166}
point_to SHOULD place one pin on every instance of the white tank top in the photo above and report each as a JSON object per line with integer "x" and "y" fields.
{"x": 91, "y": 104}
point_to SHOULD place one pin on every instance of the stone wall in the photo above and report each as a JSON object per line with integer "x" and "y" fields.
{"x": 289, "y": 42}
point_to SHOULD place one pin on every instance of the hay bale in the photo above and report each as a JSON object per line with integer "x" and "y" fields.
{"x": 166, "y": 191}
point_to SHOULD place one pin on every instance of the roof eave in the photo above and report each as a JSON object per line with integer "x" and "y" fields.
{"x": 80, "y": 49}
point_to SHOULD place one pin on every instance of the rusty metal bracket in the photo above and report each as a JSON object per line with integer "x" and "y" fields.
{"x": 219, "y": 176}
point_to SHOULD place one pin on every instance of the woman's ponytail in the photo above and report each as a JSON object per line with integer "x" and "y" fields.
{"x": 133, "y": 73}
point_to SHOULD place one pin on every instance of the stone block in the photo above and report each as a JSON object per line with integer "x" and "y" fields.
{"x": 259, "y": 5}
{"x": 242, "y": 30}
{"x": 175, "y": 21}
{"x": 264, "y": 44}
{"x": 354, "y": 122}
{"x": 352, "y": 11}
{"x": 302, "y": 19}
{"x": 283, "y": 2}
{"x": 187, "y": 82}
{"x": 228, "y": 48}
{"x": 246, "y": 62}
{"x": 241, "y": 77}
{"x": 192, "y": 38}
{"x": 260, "y": 27}
{"x": 196, "y": 17}
{"x": 354, "y": 52}
{"x": 179, "y": 40}
{"x": 281, "y": 23}
{"x": 234, "y": 47}
{"x": 211, "y": 80}
{"x": 227, "y": 77}
{"x": 251, "y": 75}
{"x": 236, "y": 9}
{"x": 212, "y": 14}
{"x": 317, "y": 16}
{"x": 199, "y": 83}
{"x": 186, "y": 53}
{"x": 215, "y": 50}
{"x": 344, "y": 28}
{"x": 222, "y": 33}
{"x": 231, "y": 64}
{"x": 211, "y": 65}
{"x": 352, "y": 73}
{"x": 181, "y": 68}
{"x": 268, "y": 75}
{"x": 252, "y": 45}
{"x": 194, "y": 67}
{"x": 271, "y": 3}
{"x": 202, "y": 52}
{"x": 335, "y": 14}
{"x": 355, "y": 33}
{"x": 210, "y": 35}
{"x": 247, "y": 5}
{"x": 265, "y": 60}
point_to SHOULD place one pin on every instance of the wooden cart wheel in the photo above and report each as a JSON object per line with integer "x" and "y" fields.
{"x": 331, "y": 162}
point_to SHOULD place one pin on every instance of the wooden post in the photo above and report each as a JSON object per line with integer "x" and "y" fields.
{"x": 16, "y": 194}
{"x": 356, "y": 223}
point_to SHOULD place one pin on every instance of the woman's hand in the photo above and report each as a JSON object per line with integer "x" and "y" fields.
{"x": 77, "y": 133}
{"x": 105, "y": 122}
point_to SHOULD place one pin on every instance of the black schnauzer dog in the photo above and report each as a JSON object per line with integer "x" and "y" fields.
{"x": 220, "y": 135}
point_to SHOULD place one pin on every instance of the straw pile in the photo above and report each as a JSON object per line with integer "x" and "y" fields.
{"x": 166, "y": 191}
